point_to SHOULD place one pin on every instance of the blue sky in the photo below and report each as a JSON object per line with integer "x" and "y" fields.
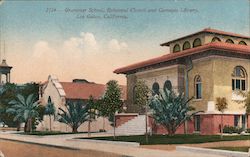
{"x": 26, "y": 23}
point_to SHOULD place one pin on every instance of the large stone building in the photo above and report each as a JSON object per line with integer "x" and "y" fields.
{"x": 204, "y": 65}
{"x": 59, "y": 93}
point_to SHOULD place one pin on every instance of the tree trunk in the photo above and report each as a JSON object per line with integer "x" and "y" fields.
{"x": 89, "y": 128}
{"x": 49, "y": 122}
{"x": 30, "y": 124}
{"x": 18, "y": 126}
{"x": 25, "y": 126}
{"x": 114, "y": 126}
{"x": 146, "y": 124}
{"x": 221, "y": 127}
{"x": 74, "y": 129}
{"x": 103, "y": 125}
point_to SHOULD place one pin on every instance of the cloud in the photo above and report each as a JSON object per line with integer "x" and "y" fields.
{"x": 115, "y": 45}
{"x": 79, "y": 56}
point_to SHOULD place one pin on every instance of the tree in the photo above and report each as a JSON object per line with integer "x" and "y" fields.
{"x": 171, "y": 110}
{"x": 141, "y": 92}
{"x": 112, "y": 102}
{"x": 92, "y": 107}
{"x": 8, "y": 92}
{"x": 74, "y": 115}
{"x": 221, "y": 105}
{"x": 24, "y": 110}
{"x": 50, "y": 110}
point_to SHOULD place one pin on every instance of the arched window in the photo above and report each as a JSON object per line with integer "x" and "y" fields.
{"x": 167, "y": 86}
{"x": 239, "y": 78}
{"x": 242, "y": 43}
{"x": 197, "y": 42}
{"x": 198, "y": 87}
{"x": 177, "y": 48}
{"x": 215, "y": 39}
{"x": 186, "y": 45}
{"x": 49, "y": 100}
{"x": 156, "y": 88}
{"x": 230, "y": 41}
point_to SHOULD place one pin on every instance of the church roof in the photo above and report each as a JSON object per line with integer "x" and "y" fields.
{"x": 208, "y": 30}
{"x": 76, "y": 90}
{"x": 235, "y": 48}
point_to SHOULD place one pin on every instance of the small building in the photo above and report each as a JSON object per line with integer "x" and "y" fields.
{"x": 205, "y": 65}
{"x": 59, "y": 93}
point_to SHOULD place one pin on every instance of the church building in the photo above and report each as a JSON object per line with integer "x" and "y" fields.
{"x": 205, "y": 65}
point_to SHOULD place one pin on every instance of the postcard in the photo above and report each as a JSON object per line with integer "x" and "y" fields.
{"x": 124, "y": 78}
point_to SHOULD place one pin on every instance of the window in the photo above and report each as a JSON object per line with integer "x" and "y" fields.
{"x": 167, "y": 86}
{"x": 239, "y": 78}
{"x": 242, "y": 43}
{"x": 186, "y": 45}
{"x": 156, "y": 88}
{"x": 198, "y": 87}
{"x": 197, "y": 42}
{"x": 177, "y": 48}
{"x": 230, "y": 41}
{"x": 215, "y": 39}
{"x": 197, "y": 123}
{"x": 49, "y": 100}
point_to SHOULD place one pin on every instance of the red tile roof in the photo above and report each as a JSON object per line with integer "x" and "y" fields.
{"x": 84, "y": 90}
{"x": 240, "y": 49}
{"x": 208, "y": 30}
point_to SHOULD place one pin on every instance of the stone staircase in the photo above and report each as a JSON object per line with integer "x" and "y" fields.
{"x": 135, "y": 126}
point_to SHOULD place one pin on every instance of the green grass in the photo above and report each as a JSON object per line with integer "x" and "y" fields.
{"x": 176, "y": 139}
{"x": 239, "y": 149}
{"x": 46, "y": 133}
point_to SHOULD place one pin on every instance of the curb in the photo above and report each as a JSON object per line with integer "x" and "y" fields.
{"x": 129, "y": 144}
{"x": 212, "y": 151}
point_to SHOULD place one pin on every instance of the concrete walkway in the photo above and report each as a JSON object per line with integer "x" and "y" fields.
{"x": 64, "y": 141}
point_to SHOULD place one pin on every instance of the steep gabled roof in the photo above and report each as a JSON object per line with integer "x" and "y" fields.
{"x": 240, "y": 49}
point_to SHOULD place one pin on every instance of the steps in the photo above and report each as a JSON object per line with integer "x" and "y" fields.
{"x": 135, "y": 126}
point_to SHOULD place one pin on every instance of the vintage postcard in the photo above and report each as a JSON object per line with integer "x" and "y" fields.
{"x": 124, "y": 78}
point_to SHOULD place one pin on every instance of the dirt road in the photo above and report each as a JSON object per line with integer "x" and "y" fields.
{"x": 20, "y": 149}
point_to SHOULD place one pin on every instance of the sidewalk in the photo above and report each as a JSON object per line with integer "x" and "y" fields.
{"x": 63, "y": 141}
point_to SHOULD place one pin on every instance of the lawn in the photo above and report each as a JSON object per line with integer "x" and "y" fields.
{"x": 176, "y": 139}
{"x": 46, "y": 133}
{"x": 239, "y": 149}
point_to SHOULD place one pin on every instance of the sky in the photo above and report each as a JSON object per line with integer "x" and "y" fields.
{"x": 63, "y": 38}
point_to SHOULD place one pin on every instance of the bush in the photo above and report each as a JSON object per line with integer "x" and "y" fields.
{"x": 102, "y": 130}
{"x": 232, "y": 129}
{"x": 248, "y": 130}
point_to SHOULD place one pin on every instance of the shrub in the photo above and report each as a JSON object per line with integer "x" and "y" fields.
{"x": 248, "y": 130}
{"x": 232, "y": 129}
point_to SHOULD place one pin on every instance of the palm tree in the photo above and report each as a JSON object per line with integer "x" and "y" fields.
{"x": 75, "y": 114}
{"x": 50, "y": 110}
{"x": 171, "y": 110}
{"x": 221, "y": 104}
{"x": 24, "y": 110}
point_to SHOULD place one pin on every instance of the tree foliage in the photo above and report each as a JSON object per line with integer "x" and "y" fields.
{"x": 9, "y": 92}
{"x": 24, "y": 110}
{"x": 74, "y": 114}
{"x": 221, "y": 104}
{"x": 50, "y": 110}
{"x": 111, "y": 101}
{"x": 171, "y": 110}
{"x": 141, "y": 92}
